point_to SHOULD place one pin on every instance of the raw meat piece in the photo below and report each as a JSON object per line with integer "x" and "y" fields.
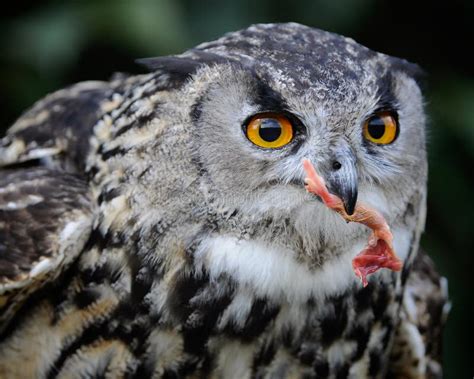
{"x": 378, "y": 252}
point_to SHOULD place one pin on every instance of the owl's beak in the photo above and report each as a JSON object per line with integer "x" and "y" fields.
{"x": 343, "y": 179}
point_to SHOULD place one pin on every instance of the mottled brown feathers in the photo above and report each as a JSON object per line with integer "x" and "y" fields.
{"x": 45, "y": 219}
{"x": 35, "y": 206}
{"x": 57, "y": 127}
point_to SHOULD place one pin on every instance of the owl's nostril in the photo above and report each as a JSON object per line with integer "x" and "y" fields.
{"x": 336, "y": 165}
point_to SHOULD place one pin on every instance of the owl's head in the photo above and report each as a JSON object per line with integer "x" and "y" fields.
{"x": 269, "y": 96}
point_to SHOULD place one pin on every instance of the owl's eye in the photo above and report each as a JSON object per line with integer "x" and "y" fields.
{"x": 381, "y": 128}
{"x": 269, "y": 130}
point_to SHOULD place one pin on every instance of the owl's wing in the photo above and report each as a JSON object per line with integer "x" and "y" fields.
{"x": 45, "y": 220}
{"x": 46, "y": 208}
{"x": 416, "y": 351}
{"x": 56, "y": 130}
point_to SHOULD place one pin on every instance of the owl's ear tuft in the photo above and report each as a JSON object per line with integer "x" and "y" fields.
{"x": 179, "y": 68}
{"x": 413, "y": 70}
{"x": 171, "y": 65}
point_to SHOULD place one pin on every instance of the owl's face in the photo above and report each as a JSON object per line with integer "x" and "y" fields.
{"x": 278, "y": 94}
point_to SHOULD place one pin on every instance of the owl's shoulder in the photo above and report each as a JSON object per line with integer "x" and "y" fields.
{"x": 417, "y": 345}
{"x": 56, "y": 129}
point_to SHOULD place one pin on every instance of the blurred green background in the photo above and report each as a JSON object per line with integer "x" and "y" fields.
{"x": 45, "y": 45}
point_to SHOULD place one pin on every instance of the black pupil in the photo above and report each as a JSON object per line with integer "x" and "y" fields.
{"x": 376, "y": 128}
{"x": 270, "y": 129}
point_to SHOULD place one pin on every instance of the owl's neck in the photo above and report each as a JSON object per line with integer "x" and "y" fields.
{"x": 273, "y": 272}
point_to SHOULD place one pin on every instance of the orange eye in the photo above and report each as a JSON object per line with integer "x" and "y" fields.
{"x": 381, "y": 129}
{"x": 269, "y": 130}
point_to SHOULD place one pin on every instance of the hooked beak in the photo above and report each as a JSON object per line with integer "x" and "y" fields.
{"x": 343, "y": 178}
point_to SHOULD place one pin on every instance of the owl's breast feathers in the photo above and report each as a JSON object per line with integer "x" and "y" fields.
{"x": 90, "y": 286}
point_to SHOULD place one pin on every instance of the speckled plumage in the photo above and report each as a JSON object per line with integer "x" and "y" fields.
{"x": 142, "y": 235}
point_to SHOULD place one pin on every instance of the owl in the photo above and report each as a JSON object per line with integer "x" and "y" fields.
{"x": 157, "y": 225}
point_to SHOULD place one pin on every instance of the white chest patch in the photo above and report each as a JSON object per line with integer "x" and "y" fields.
{"x": 273, "y": 272}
